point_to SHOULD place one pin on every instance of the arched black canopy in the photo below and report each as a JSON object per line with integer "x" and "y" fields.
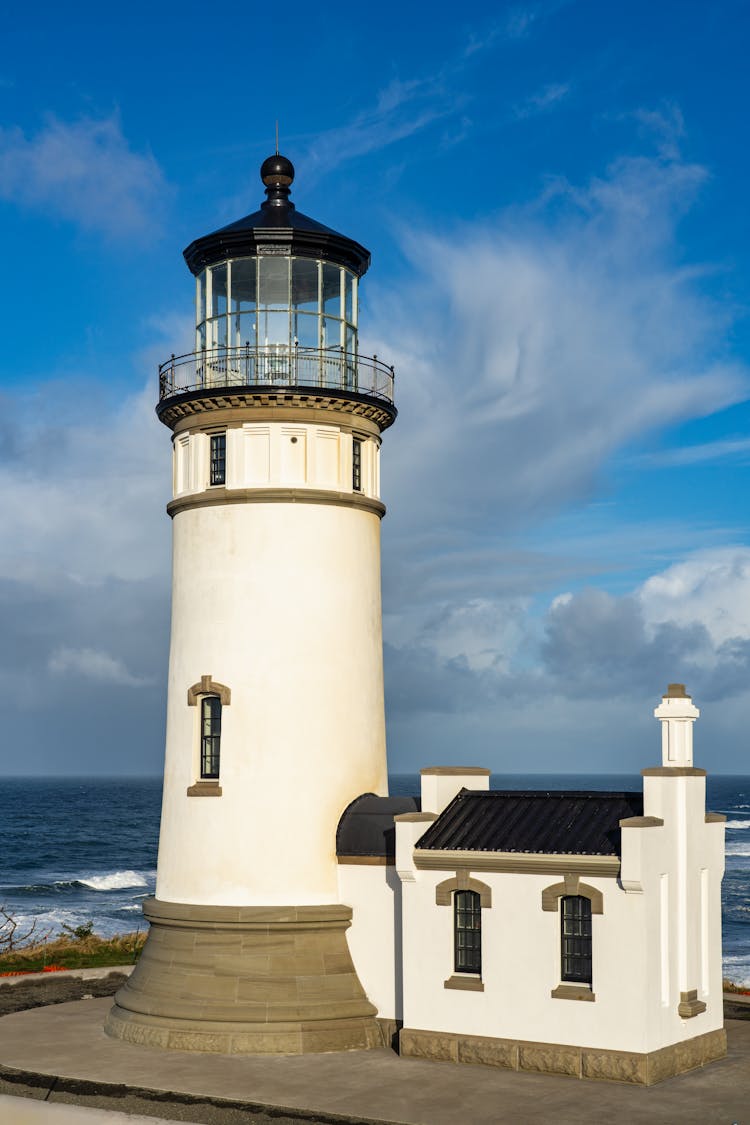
{"x": 366, "y": 827}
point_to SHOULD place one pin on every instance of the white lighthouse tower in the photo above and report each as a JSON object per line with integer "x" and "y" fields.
{"x": 275, "y": 718}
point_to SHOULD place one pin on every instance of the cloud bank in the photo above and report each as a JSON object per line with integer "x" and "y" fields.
{"x": 533, "y": 348}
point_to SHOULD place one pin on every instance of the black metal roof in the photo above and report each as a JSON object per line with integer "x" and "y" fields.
{"x": 366, "y": 826}
{"x": 277, "y": 228}
{"x": 564, "y": 822}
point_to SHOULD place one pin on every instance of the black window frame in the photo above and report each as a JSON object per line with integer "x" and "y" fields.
{"x": 218, "y": 474}
{"x": 357, "y": 464}
{"x": 576, "y": 944}
{"x": 467, "y": 932}
{"x": 210, "y": 763}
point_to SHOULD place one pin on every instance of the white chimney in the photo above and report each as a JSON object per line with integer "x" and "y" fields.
{"x": 677, "y": 715}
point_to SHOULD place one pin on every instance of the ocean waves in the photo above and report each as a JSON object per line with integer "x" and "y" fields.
{"x": 116, "y": 881}
{"x": 111, "y": 881}
{"x": 80, "y": 852}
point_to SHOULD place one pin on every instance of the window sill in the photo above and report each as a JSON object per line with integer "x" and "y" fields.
{"x": 464, "y": 983}
{"x": 572, "y": 992}
{"x": 204, "y": 789}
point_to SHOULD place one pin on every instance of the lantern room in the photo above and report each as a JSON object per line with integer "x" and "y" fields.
{"x": 270, "y": 301}
{"x": 276, "y": 305}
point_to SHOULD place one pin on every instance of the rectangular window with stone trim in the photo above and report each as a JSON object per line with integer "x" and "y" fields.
{"x": 575, "y": 939}
{"x": 467, "y": 920}
{"x": 210, "y": 737}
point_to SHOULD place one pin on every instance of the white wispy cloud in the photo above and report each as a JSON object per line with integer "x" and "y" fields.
{"x": 725, "y": 449}
{"x": 515, "y": 25}
{"x": 667, "y": 125}
{"x": 542, "y": 100}
{"x": 539, "y": 344}
{"x": 407, "y": 106}
{"x": 531, "y": 351}
{"x": 84, "y": 171}
{"x": 401, "y": 109}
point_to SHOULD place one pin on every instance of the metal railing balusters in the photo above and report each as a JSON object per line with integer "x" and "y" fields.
{"x": 276, "y": 365}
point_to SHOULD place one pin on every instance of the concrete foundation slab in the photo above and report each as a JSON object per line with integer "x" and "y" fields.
{"x": 62, "y": 1054}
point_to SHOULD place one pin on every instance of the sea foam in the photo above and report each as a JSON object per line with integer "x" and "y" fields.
{"x": 115, "y": 881}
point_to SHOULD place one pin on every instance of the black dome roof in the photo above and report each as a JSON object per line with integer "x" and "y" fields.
{"x": 277, "y": 228}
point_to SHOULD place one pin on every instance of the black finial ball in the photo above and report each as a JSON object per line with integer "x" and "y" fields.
{"x": 277, "y": 170}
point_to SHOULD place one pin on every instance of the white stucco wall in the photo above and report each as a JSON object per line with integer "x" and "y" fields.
{"x": 521, "y": 966}
{"x": 281, "y": 603}
{"x": 680, "y": 866}
{"x": 374, "y": 893}
{"x": 295, "y": 453}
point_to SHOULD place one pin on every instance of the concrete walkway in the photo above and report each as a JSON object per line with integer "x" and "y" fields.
{"x": 24, "y": 1111}
{"x": 61, "y": 1054}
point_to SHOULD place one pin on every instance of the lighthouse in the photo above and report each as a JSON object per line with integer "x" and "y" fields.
{"x": 275, "y": 714}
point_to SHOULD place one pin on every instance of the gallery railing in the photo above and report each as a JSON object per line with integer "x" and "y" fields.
{"x": 276, "y": 365}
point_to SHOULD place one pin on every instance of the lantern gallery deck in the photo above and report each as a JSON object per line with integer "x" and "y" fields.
{"x": 277, "y": 365}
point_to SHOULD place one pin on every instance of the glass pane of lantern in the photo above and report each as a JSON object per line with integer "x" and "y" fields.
{"x": 201, "y": 309}
{"x": 348, "y": 297}
{"x": 305, "y": 284}
{"x": 273, "y": 280}
{"x": 243, "y": 285}
{"x": 306, "y": 330}
{"x": 243, "y": 329}
{"x": 217, "y": 332}
{"x": 331, "y": 290}
{"x": 219, "y": 290}
{"x": 351, "y": 364}
{"x": 273, "y": 328}
{"x": 331, "y": 333}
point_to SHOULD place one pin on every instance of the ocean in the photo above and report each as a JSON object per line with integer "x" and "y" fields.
{"x": 79, "y": 850}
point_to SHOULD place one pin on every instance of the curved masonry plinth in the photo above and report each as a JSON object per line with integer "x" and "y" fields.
{"x": 245, "y": 980}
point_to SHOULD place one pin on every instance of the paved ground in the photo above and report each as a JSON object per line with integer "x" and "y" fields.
{"x": 23, "y": 1111}
{"x": 63, "y": 1055}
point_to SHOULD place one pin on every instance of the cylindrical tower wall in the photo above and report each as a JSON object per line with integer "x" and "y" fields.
{"x": 279, "y": 602}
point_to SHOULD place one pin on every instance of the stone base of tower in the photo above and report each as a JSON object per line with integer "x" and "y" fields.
{"x": 245, "y": 980}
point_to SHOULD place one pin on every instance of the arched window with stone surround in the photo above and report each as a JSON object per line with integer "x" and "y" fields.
{"x": 210, "y": 736}
{"x": 576, "y": 903}
{"x": 210, "y": 697}
{"x": 468, "y": 897}
{"x": 467, "y": 932}
{"x": 575, "y": 939}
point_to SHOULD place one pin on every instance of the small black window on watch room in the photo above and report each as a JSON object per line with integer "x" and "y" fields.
{"x": 357, "y": 464}
{"x": 218, "y": 458}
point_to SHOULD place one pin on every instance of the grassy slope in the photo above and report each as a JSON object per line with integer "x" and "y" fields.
{"x": 74, "y": 953}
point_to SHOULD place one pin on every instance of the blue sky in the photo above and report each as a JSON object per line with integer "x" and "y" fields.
{"x": 555, "y": 198}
